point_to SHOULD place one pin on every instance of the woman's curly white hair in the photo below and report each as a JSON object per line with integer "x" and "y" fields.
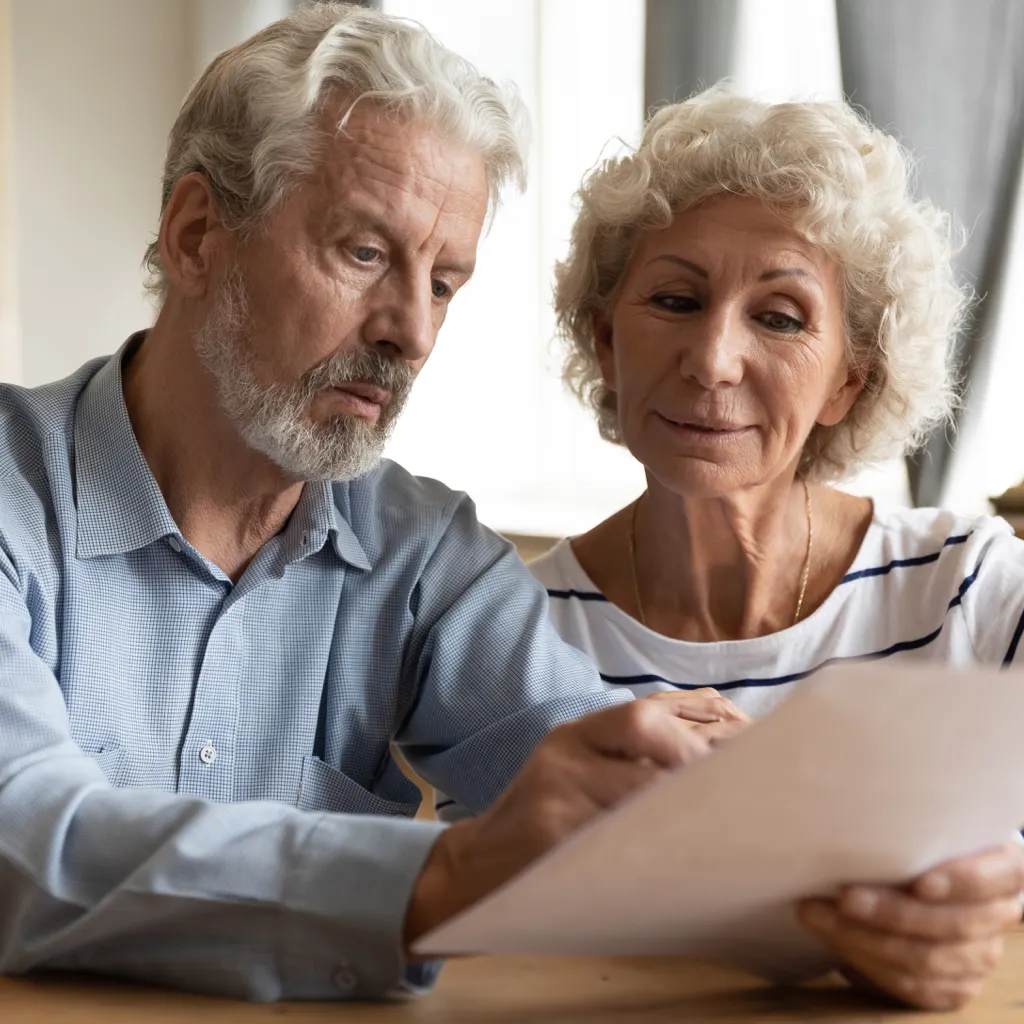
{"x": 844, "y": 185}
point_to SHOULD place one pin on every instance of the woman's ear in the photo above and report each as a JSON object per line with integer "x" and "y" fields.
{"x": 604, "y": 347}
{"x": 842, "y": 399}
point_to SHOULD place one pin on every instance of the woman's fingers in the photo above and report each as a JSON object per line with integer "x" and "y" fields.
{"x": 717, "y": 733}
{"x": 889, "y": 909}
{"x": 978, "y": 877}
{"x": 932, "y": 974}
{"x": 703, "y": 705}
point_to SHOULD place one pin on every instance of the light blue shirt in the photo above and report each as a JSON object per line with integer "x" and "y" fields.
{"x": 196, "y": 787}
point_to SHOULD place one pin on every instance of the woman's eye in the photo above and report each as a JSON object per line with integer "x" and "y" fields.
{"x": 781, "y": 323}
{"x": 440, "y": 290}
{"x": 366, "y": 253}
{"x": 675, "y": 303}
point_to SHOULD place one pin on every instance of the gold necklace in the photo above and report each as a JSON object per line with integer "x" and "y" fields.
{"x": 807, "y": 557}
{"x": 803, "y": 576}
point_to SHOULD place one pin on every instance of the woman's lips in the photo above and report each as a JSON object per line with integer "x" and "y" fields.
{"x": 705, "y": 432}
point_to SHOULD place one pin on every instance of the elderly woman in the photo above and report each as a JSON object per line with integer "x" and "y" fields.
{"x": 756, "y": 307}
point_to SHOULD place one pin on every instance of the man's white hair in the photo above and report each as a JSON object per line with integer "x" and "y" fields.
{"x": 251, "y": 123}
{"x": 846, "y": 186}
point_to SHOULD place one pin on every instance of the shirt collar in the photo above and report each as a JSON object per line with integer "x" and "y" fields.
{"x": 346, "y": 544}
{"x": 316, "y": 519}
{"x": 120, "y": 505}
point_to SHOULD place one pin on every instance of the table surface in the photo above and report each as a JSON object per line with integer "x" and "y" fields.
{"x": 490, "y": 990}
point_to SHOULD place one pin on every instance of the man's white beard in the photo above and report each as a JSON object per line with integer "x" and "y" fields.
{"x": 275, "y": 419}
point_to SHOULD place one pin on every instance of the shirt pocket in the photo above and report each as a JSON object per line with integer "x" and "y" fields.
{"x": 323, "y": 788}
{"x": 110, "y": 759}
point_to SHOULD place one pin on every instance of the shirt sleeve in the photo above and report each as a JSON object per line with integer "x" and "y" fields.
{"x": 255, "y": 900}
{"x": 995, "y": 612}
{"x": 493, "y": 675}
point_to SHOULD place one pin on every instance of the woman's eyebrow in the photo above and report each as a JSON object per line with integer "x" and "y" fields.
{"x": 768, "y": 275}
{"x": 771, "y": 275}
{"x": 669, "y": 258}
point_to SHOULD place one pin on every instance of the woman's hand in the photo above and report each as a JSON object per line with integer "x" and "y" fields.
{"x": 716, "y": 719}
{"x": 934, "y": 943}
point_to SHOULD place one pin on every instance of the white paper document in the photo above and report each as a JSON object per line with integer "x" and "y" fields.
{"x": 869, "y": 773}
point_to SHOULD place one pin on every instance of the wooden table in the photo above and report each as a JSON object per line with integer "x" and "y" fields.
{"x": 512, "y": 990}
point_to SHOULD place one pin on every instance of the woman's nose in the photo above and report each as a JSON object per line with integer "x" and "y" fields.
{"x": 714, "y": 351}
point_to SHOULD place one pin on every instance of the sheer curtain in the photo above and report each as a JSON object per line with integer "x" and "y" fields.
{"x": 948, "y": 77}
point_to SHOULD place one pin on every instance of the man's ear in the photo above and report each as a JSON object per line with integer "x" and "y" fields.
{"x": 190, "y": 233}
{"x": 842, "y": 399}
{"x": 604, "y": 347}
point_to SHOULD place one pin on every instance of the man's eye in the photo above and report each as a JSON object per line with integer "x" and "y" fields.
{"x": 781, "y": 323}
{"x": 441, "y": 290}
{"x": 366, "y": 253}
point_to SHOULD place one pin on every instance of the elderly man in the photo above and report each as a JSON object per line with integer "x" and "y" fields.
{"x": 218, "y": 608}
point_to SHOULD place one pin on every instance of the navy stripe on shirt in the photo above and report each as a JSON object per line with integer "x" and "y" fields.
{"x": 793, "y": 677}
{"x": 859, "y": 574}
{"x": 580, "y": 595}
{"x": 900, "y": 563}
{"x": 1011, "y": 651}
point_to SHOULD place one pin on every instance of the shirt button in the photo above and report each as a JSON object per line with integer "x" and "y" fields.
{"x": 208, "y": 754}
{"x": 345, "y": 978}
{"x": 175, "y": 544}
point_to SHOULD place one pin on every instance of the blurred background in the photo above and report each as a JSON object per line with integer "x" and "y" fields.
{"x": 89, "y": 88}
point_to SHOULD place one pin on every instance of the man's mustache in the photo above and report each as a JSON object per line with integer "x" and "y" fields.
{"x": 366, "y": 366}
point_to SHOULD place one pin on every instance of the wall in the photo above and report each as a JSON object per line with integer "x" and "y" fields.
{"x": 9, "y": 348}
{"x": 96, "y": 86}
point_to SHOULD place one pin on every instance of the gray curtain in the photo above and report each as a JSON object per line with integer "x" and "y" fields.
{"x": 948, "y": 77}
{"x": 689, "y": 44}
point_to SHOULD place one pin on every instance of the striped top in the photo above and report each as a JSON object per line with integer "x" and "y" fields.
{"x": 926, "y": 584}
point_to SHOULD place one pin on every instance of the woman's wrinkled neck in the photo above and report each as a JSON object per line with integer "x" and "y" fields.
{"x": 725, "y": 567}
{"x": 729, "y": 567}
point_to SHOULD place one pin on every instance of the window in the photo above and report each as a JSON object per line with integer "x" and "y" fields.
{"x": 489, "y": 413}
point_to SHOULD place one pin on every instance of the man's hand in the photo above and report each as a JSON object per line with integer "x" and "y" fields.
{"x": 932, "y": 944}
{"x": 578, "y": 771}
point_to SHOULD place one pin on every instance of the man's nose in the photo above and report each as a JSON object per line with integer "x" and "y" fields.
{"x": 403, "y": 319}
